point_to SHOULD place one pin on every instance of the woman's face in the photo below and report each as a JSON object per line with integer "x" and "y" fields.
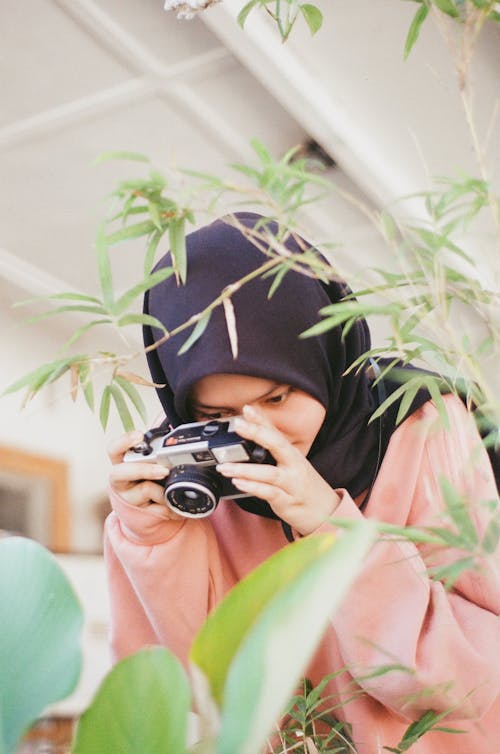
{"x": 297, "y": 415}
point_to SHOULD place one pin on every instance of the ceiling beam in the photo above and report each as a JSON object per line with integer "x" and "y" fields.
{"x": 294, "y": 85}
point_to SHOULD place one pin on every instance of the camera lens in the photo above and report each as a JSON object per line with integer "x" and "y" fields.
{"x": 192, "y": 491}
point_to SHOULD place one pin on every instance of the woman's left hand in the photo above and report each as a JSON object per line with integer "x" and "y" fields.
{"x": 293, "y": 488}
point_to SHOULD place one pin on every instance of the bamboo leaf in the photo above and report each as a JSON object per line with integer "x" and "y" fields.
{"x": 131, "y": 231}
{"x": 120, "y": 155}
{"x": 177, "y": 241}
{"x": 456, "y": 509}
{"x": 231, "y": 326}
{"x": 312, "y": 16}
{"x": 104, "y": 268}
{"x": 279, "y": 274}
{"x": 414, "y": 29}
{"x": 243, "y": 14}
{"x": 447, "y": 6}
{"x": 197, "y": 333}
{"x": 262, "y": 152}
{"x": 151, "y": 251}
{"x": 123, "y": 412}
{"x": 407, "y": 400}
{"x": 149, "y": 282}
{"x": 491, "y": 536}
{"x": 137, "y": 379}
{"x": 74, "y": 382}
{"x": 62, "y": 309}
{"x": 105, "y": 404}
{"x": 133, "y": 395}
{"x": 154, "y": 214}
{"x": 433, "y": 387}
{"x": 69, "y": 296}
{"x": 141, "y": 319}
{"x": 448, "y": 574}
{"x": 82, "y": 330}
{"x": 87, "y": 387}
{"x": 38, "y": 377}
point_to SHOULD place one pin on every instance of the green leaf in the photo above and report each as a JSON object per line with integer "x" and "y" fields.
{"x": 40, "y": 636}
{"x": 433, "y": 386}
{"x": 151, "y": 251}
{"x": 491, "y": 536}
{"x": 262, "y": 152}
{"x": 177, "y": 239}
{"x": 70, "y": 296}
{"x": 85, "y": 382}
{"x": 104, "y": 268}
{"x": 243, "y": 14}
{"x": 447, "y": 6}
{"x": 122, "y": 408}
{"x": 149, "y": 282}
{"x": 141, "y": 319}
{"x": 141, "y": 707}
{"x": 118, "y": 155}
{"x": 83, "y": 329}
{"x": 198, "y": 331}
{"x": 275, "y": 619}
{"x": 414, "y": 30}
{"x": 154, "y": 213}
{"x": 38, "y": 377}
{"x": 104, "y": 408}
{"x": 448, "y": 574}
{"x": 456, "y": 508}
{"x": 133, "y": 395}
{"x": 312, "y": 16}
{"x": 64, "y": 309}
{"x": 131, "y": 231}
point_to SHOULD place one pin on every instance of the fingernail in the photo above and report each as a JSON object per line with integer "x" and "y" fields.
{"x": 249, "y": 410}
{"x": 240, "y": 423}
{"x": 159, "y": 471}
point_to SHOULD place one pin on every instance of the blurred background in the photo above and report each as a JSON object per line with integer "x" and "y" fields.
{"x": 79, "y": 78}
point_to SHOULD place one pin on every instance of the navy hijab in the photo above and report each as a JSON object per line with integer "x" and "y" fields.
{"x": 348, "y": 450}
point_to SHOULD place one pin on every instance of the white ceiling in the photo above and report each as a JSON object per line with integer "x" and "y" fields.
{"x": 81, "y": 77}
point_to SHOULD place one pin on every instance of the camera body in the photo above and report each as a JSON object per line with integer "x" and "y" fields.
{"x": 191, "y": 451}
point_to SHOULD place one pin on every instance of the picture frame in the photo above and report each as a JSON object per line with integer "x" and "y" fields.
{"x": 34, "y": 497}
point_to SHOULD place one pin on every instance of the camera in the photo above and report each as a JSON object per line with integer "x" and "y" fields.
{"x": 191, "y": 451}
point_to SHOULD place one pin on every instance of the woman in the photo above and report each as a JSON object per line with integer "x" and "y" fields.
{"x": 293, "y": 397}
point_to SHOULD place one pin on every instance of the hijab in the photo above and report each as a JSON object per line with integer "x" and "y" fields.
{"x": 348, "y": 449}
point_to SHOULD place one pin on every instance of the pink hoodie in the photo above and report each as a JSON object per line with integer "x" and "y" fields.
{"x": 165, "y": 577}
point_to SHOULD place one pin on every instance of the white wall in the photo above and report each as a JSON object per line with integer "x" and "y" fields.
{"x": 52, "y": 424}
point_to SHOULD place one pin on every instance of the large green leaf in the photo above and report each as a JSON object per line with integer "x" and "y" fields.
{"x": 257, "y": 643}
{"x": 141, "y": 708}
{"x": 40, "y": 634}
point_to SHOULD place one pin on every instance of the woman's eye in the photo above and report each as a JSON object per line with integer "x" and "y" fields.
{"x": 279, "y": 398}
{"x": 202, "y": 417}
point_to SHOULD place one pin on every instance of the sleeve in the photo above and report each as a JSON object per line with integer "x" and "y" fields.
{"x": 163, "y": 578}
{"x": 442, "y": 645}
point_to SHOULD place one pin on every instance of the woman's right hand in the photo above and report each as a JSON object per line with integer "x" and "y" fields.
{"x": 136, "y": 482}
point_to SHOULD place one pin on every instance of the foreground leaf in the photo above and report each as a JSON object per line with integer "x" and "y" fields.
{"x": 256, "y": 645}
{"x": 141, "y": 708}
{"x": 40, "y": 634}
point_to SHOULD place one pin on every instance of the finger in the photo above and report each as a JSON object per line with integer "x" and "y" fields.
{"x": 120, "y": 445}
{"x": 253, "y": 472}
{"x": 268, "y": 437}
{"x": 145, "y": 493}
{"x": 135, "y": 472}
{"x": 275, "y": 496}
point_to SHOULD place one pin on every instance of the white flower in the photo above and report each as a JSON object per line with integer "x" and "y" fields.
{"x": 188, "y": 8}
